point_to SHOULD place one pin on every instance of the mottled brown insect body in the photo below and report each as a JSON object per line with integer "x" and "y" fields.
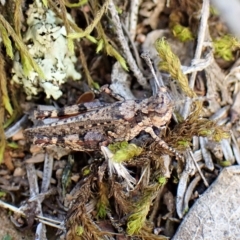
{"x": 100, "y": 124}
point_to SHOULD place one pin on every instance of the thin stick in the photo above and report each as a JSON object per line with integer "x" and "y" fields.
{"x": 125, "y": 46}
{"x": 148, "y": 61}
{"x": 201, "y": 36}
{"x": 133, "y": 18}
{"x": 135, "y": 51}
{"x": 198, "y": 168}
{"x": 198, "y": 52}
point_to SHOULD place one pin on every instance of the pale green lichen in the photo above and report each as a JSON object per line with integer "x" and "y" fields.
{"x": 47, "y": 43}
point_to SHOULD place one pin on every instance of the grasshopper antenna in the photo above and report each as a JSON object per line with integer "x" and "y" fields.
{"x": 148, "y": 61}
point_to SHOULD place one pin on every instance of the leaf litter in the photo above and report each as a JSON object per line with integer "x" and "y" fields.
{"x": 62, "y": 195}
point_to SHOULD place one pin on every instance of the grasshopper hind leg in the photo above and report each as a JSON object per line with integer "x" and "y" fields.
{"x": 77, "y": 108}
{"x": 162, "y": 143}
{"x": 69, "y": 110}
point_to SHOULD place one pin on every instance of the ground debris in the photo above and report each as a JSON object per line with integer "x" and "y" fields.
{"x": 141, "y": 186}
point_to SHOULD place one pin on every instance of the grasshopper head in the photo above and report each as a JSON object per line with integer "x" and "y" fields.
{"x": 158, "y": 108}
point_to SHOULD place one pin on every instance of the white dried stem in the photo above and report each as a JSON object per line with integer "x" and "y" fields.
{"x": 195, "y": 143}
{"x": 32, "y": 179}
{"x": 189, "y": 191}
{"x": 133, "y": 19}
{"x": 11, "y": 131}
{"x": 125, "y": 47}
{"x": 135, "y": 50}
{"x": 221, "y": 114}
{"x": 198, "y": 64}
{"x": 40, "y": 175}
{"x": 235, "y": 148}
{"x": 34, "y": 191}
{"x": 118, "y": 168}
{"x": 190, "y": 169}
{"x": 201, "y": 35}
{"x": 198, "y": 168}
{"x": 182, "y": 186}
{"x": 47, "y": 173}
{"x": 227, "y": 150}
{"x": 120, "y": 82}
{"x": 197, "y": 155}
{"x": 41, "y": 232}
{"x": 206, "y": 154}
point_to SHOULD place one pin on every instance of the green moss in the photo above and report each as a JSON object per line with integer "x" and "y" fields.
{"x": 13, "y": 145}
{"x": 7, "y": 237}
{"x": 2, "y": 194}
{"x": 101, "y": 210}
{"x": 162, "y": 180}
{"x": 182, "y": 33}
{"x": 123, "y": 151}
{"x": 225, "y": 46}
{"x": 79, "y": 231}
{"x": 225, "y": 163}
{"x": 86, "y": 171}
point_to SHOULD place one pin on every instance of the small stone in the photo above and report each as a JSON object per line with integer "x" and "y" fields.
{"x": 59, "y": 173}
{"x": 19, "y": 172}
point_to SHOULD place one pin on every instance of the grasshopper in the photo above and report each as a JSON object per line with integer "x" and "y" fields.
{"x": 99, "y": 124}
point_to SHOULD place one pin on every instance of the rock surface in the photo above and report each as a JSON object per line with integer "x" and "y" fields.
{"x": 216, "y": 215}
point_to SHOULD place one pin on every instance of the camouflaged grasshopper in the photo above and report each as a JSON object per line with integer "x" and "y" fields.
{"x": 99, "y": 124}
